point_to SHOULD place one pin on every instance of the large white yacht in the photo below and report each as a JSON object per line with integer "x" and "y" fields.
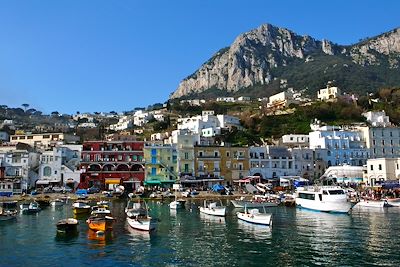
{"x": 323, "y": 198}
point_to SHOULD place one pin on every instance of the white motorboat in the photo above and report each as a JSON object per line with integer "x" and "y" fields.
{"x": 138, "y": 216}
{"x": 177, "y": 204}
{"x": 255, "y": 216}
{"x": 211, "y": 208}
{"x": 29, "y": 208}
{"x": 256, "y": 202}
{"x": 323, "y": 198}
{"x": 371, "y": 203}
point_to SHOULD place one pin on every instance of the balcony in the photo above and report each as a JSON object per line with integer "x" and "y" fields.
{"x": 213, "y": 157}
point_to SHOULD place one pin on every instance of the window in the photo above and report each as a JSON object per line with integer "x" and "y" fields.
{"x": 46, "y": 136}
{"x": 228, "y": 154}
{"x": 47, "y": 171}
{"x": 372, "y": 167}
{"x": 22, "y": 137}
{"x": 380, "y": 167}
{"x": 14, "y": 138}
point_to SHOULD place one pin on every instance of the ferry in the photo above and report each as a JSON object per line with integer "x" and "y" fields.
{"x": 323, "y": 198}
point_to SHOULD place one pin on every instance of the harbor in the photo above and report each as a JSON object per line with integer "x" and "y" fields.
{"x": 186, "y": 237}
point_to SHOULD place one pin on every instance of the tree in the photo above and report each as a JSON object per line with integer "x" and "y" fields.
{"x": 55, "y": 114}
{"x": 25, "y": 106}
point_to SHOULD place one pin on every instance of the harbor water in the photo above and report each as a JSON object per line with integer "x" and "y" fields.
{"x": 366, "y": 237}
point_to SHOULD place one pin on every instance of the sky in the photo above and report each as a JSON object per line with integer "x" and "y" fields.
{"x": 101, "y": 55}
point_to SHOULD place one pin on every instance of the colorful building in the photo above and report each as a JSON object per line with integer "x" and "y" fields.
{"x": 161, "y": 164}
{"x": 228, "y": 163}
{"x": 108, "y": 163}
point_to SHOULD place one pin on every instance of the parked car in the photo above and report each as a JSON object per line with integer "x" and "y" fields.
{"x": 93, "y": 190}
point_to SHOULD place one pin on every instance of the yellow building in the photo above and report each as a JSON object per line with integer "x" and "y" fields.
{"x": 161, "y": 164}
{"x": 228, "y": 163}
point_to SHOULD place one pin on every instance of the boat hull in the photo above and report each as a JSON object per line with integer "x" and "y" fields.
{"x": 371, "y": 203}
{"x": 251, "y": 204}
{"x": 393, "y": 202}
{"x": 325, "y": 206}
{"x": 78, "y": 211}
{"x": 176, "y": 205}
{"x": 100, "y": 224}
{"x": 7, "y": 216}
{"x": 262, "y": 219}
{"x": 217, "y": 211}
{"x": 69, "y": 225}
{"x": 141, "y": 224}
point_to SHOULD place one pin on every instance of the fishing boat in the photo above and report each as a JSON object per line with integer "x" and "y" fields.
{"x": 81, "y": 207}
{"x": 323, "y": 198}
{"x": 255, "y": 216}
{"x": 177, "y": 203}
{"x": 29, "y": 208}
{"x": 6, "y": 215}
{"x": 211, "y": 208}
{"x": 138, "y": 216}
{"x": 100, "y": 223}
{"x": 69, "y": 225}
{"x": 255, "y": 202}
{"x": 371, "y": 203}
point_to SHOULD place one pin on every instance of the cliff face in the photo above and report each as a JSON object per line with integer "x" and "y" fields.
{"x": 252, "y": 56}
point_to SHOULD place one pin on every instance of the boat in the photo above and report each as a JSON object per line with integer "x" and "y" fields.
{"x": 100, "y": 223}
{"x": 177, "y": 204}
{"x": 57, "y": 202}
{"x": 393, "y": 202}
{"x": 68, "y": 225}
{"x": 255, "y": 216}
{"x": 100, "y": 210}
{"x": 6, "y": 215}
{"x": 211, "y": 208}
{"x": 256, "y": 202}
{"x": 43, "y": 201}
{"x": 81, "y": 207}
{"x": 371, "y": 203}
{"x": 138, "y": 216}
{"x": 30, "y": 208}
{"x": 323, "y": 198}
{"x": 103, "y": 203}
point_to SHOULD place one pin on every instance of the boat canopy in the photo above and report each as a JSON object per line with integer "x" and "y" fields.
{"x": 218, "y": 187}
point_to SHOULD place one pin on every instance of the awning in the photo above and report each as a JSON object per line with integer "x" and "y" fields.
{"x": 131, "y": 182}
{"x": 113, "y": 180}
{"x": 42, "y": 182}
{"x": 152, "y": 182}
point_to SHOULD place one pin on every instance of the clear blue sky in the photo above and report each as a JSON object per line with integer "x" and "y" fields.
{"x": 74, "y": 55}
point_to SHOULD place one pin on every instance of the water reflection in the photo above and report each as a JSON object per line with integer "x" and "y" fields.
{"x": 212, "y": 219}
{"x": 260, "y": 232}
{"x": 99, "y": 239}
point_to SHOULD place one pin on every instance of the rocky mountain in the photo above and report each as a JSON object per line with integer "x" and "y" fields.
{"x": 260, "y": 57}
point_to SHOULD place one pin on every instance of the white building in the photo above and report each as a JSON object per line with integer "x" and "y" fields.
{"x": 141, "y": 117}
{"x": 18, "y": 168}
{"x": 382, "y": 142}
{"x": 281, "y": 100}
{"x": 87, "y": 125}
{"x": 123, "y": 123}
{"x": 44, "y": 140}
{"x": 60, "y": 166}
{"x": 328, "y": 93}
{"x": 382, "y": 169}
{"x": 244, "y": 99}
{"x": 226, "y": 99}
{"x": 377, "y": 118}
{"x": 292, "y": 140}
{"x": 272, "y": 162}
{"x": 194, "y": 102}
{"x": 342, "y": 146}
{"x": 212, "y": 123}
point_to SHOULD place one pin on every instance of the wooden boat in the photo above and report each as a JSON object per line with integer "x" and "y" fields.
{"x": 80, "y": 207}
{"x": 393, "y": 202}
{"x": 30, "y": 208}
{"x": 68, "y": 225}
{"x": 43, "y": 201}
{"x": 100, "y": 223}
{"x": 211, "y": 208}
{"x": 138, "y": 216}
{"x": 255, "y": 216}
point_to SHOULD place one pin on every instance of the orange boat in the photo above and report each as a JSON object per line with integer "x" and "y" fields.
{"x": 100, "y": 223}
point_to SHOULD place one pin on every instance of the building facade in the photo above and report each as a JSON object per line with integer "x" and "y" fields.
{"x": 382, "y": 169}
{"x": 106, "y": 164}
